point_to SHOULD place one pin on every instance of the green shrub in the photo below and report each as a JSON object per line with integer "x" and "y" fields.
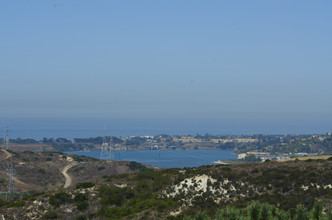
{"x": 50, "y": 215}
{"x": 228, "y": 213}
{"x": 316, "y": 212}
{"x": 60, "y": 198}
{"x": 78, "y": 158}
{"x": 201, "y": 216}
{"x": 254, "y": 210}
{"x": 16, "y": 154}
{"x": 28, "y": 152}
{"x": 112, "y": 213}
{"x": 265, "y": 212}
{"x": 2, "y": 202}
{"x": 42, "y": 171}
{"x": 92, "y": 215}
{"x": 31, "y": 195}
{"x": 15, "y": 204}
{"x": 301, "y": 213}
{"x": 115, "y": 196}
{"x": 101, "y": 168}
{"x": 80, "y": 197}
{"x": 226, "y": 169}
{"x": 135, "y": 206}
{"x": 137, "y": 166}
{"x": 81, "y": 217}
{"x": 329, "y": 214}
{"x": 84, "y": 185}
{"x": 157, "y": 204}
{"x": 82, "y": 206}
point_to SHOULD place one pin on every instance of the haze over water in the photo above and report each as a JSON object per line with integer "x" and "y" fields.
{"x": 80, "y": 128}
{"x": 178, "y": 67}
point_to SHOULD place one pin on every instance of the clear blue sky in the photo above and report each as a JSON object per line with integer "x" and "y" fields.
{"x": 263, "y": 61}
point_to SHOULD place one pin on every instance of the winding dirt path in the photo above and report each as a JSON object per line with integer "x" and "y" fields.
{"x": 20, "y": 182}
{"x": 8, "y": 155}
{"x": 24, "y": 185}
{"x": 66, "y": 175}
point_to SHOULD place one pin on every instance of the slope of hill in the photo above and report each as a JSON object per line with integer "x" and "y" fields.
{"x": 40, "y": 171}
{"x": 175, "y": 193}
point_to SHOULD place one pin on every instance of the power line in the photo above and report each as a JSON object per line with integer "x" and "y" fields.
{"x": 111, "y": 156}
{"x": 159, "y": 159}
{"x": 6, "y": 139}
{"x": 11, "y": 173}
{"x": 104, "y": 152}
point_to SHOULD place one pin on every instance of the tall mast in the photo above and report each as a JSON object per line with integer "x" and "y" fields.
{"x": 6, "y": 139}
{"x": 103, "y": 149}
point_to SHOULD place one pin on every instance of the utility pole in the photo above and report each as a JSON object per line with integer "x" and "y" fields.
{"x": 110, "y": 153}
{"x": 158, "y": 158}
{"x": 104, "y": 154}
{"x": 6, "y": 139}
{"x": 11, "y": 174}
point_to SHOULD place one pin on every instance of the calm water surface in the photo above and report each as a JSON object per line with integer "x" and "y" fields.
{"x": 168, "y": 158}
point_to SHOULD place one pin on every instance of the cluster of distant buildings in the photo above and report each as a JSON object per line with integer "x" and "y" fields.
{"x": 191, "y": 139}
{"x": 183, "y": 142}
{"x": 268, "y": 156}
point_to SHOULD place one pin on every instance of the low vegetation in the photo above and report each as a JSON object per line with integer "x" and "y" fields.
{"x": 84, "y": 185}
{"x": 272, "y": 190}
{"x": 138, "y": 166}
{"x": 264, "y": 211}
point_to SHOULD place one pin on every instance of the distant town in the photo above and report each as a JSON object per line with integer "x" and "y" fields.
{"x": 251, "y": 148}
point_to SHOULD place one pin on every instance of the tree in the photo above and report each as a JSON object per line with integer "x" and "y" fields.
{"x": 316, "y": 212}
{"x": 301, "y": 213}
{"x": 253, "y": 210}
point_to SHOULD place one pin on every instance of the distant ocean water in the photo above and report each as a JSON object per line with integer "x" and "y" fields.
{"x": 87, "y": 127}
{"x": 84, "y": 128}
{"x": 39, "y": 134}
{"x": 167, "y": 158}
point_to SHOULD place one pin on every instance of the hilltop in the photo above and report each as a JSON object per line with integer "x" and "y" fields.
{"x": 176, "y": 193}
{"x": 42, "y": 171}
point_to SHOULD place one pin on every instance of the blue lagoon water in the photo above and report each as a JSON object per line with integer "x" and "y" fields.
{"x": 168, "y": 158}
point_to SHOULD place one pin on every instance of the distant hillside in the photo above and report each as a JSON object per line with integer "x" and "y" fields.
{"x": 276, "y": 144}
{"x": 40, "y": 171}
{"x": 176, "y": 193}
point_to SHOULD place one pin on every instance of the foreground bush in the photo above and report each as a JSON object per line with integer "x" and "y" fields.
{"x": 50, "y": 215}
{"x": 263, "y": 211}
{"x": 59, "y": 199}
{"x": 84, "y": 185}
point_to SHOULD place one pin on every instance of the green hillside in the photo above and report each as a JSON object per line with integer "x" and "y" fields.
{"x": 281, "y": 190}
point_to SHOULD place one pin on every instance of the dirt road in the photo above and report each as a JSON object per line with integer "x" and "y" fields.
{"x": 8, "y": 155}
{"x": 66, "y": 175}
